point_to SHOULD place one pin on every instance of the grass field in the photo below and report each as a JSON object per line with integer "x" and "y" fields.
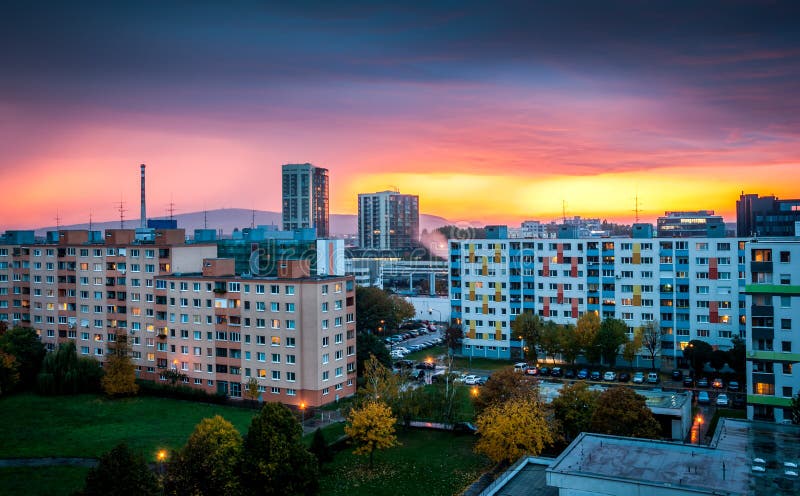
{"x": 88, "y": 425}
{"x": 41, "y": 481}
{"x": 432, "y": 463}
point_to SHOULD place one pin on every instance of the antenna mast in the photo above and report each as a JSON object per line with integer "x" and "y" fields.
{"x": 121, "y": 210}
{"x": 563, "y": 211}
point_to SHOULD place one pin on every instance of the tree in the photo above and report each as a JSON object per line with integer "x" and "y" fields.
{"x": 796, "y": 409}
{"x": 209, "y": 461}
{"x": 455, "y": 232}
{"x": 368, "y": 345}
{"x": 174, "y": 376}
{"x": 651, "y": 341}
{"x": 379, "y": 382}
{"x": 718, "y": 359}
{"x": 502, "y": 386}
{"x": 274, "y": 460}
{"x": 64, "y": 372}
{"x": 120, "y": 378}
{"x": 570, "y": 346}
{"x": 251, "y": 391}
{"x": 528, "y": 327}
{"x": 320, "y": 448}
{"x": 512, "y": 429}
{"x": 586, "y": 330}
{"x": 632, "y": 346}
{"x": 573, "y": 408}
{"x": 550, "y": 340}
{"x": 377, "y": 308}
{"x": 737, "y": 356}
{"x": 371, "y": 428}
{"x": 697, "y": 353}
{"x": 620, "y": 411}
{"x": 24, "y": 345}
{"x": 453, "y": 337}
{"x": 9, "y": 375}
{"x": 121, "y": 472}
{"x": 611, "y": 335}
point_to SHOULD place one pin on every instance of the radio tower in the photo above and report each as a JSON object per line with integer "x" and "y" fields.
{"x": 121, "y": 210}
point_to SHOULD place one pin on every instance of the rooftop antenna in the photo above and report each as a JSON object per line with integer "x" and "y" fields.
{"x": 58, "y": 222}
{"x": 253, "y": 219}
{"x": 563, "y": 211}
{"x": 171, "y": 207}
{"x": 205, "y": 219}
{"x": 121, "y": 210}
{"x": 90, "y": 220}
{"x": 636, "y": 209}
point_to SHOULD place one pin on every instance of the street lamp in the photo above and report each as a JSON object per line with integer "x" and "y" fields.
{"x": 431, "y": 310}
{"x": 161, "y": 456}
{"x": 474, "y": 391}
{"x": 302, "y": 413}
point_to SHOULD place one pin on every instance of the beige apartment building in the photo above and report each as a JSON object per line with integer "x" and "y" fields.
{"x": 185, "y": 309}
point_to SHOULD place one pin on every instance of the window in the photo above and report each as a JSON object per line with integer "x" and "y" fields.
{"x": 786, "y": 346}
{"x": 785, "y": 257}
{"x": 275, "y": 341}
{"x": 326, "y": 358}
{"x": 276, "y": 358}
{"x": 290, "y": 359}
{"x": 326, "y": 375}
{"x": 289, "y": 290}
{"x": 276, "y": 375}
{"x": 290, "y": 307}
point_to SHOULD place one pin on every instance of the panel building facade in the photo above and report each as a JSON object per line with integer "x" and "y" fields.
{"x": 388, "y": 221}
{"x": 184, "y": 309}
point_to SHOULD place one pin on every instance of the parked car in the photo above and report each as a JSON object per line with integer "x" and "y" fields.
{"x": 569, "y": 374}
{"x": 426, "y": 366}
{"x": 544, "y": 371}
{"x": 739, "y": 401}
{"x": 472, "y": 380}
{"x": 677, "y": 375}
{"x": 595, "y": 375}
{"x": 722, "y": 400}
{"x": 520, "y": 367}
{"x": 403, "y": 364}
{"x": 702, "y": 382}
{"x": 688, "y": 381}
{"x": 717, "y": 383}
{"x": 532, "y": 371}
{"x": 733, "y": 386}
{"x": 638, "y": 378}
{"x": 556, "y": 372}
{"x": 583, "y": 374}
{"x": 702, "y": 397}
{"x": 624, "y": 377}
{"x": 653, "y": 378}
{"x": 610, "y": 376}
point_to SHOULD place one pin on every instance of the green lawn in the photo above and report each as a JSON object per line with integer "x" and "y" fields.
{"x": 41, "y": 481}
{"x": 432, "y": 463}
{"x": 432, "y": 352}
{"x": 88, "y": 425}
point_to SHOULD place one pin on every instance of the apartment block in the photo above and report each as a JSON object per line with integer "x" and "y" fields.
{"x": 690, "y": 287}
{"x": 773, "y": 321}
{"x": 187, "y": 310}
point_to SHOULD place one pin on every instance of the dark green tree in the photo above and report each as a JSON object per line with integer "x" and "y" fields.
{"x": 573, "y": 408}
{"x": 375, "y": 308}
{"x": 23, "y": 344}
{"x": 368, "y": 345}
{"x": 570, "y": 346}
{"x": 453, "y": 337}
{"x": 121, "y": 472}
{"x": 550, "y": 339}
{"x": 64, "y": 372}
{"x": 320, "y": 449}
{"x": 737, "y": 357}
{"x": 796, "y": 409}
{"x": 697, "y": 353}
{"x": 209, "y": 461}
{"x": 718, "y": 359}
{"x": 586, "y": 330}
{"x": 274, "y": 460}
{"x": 610, "y": 337}
{"x": 528, "y": 327}
{"x": 9, "y": 376}
{"x": 619, "y": 411}
{"x": 455, "y": 232}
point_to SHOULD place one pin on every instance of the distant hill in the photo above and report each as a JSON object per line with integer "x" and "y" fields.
{"x": 228, "y": 219}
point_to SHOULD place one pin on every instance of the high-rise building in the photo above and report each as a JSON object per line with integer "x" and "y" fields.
{"x": 767, "y": 216}
{"x": 695, "y": 224}
{"x": 388, "y": 221}
{"x": 305, "y": 198}
{"x": 773, "y": 327}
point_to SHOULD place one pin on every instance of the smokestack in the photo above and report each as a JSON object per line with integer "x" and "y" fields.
{"x": 144, "y": 208}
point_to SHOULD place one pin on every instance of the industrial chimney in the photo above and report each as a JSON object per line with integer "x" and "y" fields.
{"x": 144, "y": 208}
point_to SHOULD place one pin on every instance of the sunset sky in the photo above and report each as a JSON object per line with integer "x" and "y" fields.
{"x": 490, "y": 111}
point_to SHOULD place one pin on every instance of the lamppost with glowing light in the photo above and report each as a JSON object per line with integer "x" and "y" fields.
{"x": 161, "y": 456}
{"x": 302, "y": 414}
{"x": 431, "y": 310}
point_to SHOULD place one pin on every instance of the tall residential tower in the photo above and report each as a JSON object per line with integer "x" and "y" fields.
{"x": 305, "y": 198}
{"x": 388, "y": 221}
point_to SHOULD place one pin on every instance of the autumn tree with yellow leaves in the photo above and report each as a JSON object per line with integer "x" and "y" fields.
{"x": 513, "y": 428}
{"x": 120, "y": 377}
{"x": 371, "y": 428}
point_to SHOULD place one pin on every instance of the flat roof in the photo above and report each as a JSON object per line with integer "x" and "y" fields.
{"x": 724, "y": 467}
{"x": 668, "y": 400}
